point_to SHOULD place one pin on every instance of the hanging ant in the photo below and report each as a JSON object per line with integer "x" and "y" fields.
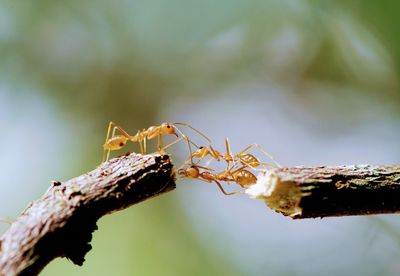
{"x": 194, "y": 172}
{"x": 240, "y": 176}
{"x": 117, "y": 142}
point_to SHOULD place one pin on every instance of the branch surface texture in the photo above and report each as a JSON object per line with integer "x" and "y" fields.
{"x": 60, "y": 224}
{"x": 308, "y": 192}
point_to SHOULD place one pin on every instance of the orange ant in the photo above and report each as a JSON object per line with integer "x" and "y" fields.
{"x": 245, "y": 158}
{"x": 117, "y": 142}
{"x": 240, "y": 176}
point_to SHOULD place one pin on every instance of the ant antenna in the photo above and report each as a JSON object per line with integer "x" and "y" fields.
{"x": 204, "y": 168}
{"x": 189, "y": 142}
{"x": 185, "y": 137}
{"x": 198, "y": 131}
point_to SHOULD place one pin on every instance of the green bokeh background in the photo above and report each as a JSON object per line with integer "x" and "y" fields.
{"x": 315, "y": 82}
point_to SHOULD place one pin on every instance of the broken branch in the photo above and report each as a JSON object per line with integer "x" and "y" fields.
{"x": 309, "y": 192}
{"x": 61, "y": 222}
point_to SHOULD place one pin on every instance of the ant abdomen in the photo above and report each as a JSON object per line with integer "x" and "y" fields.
{"x": 249, "y": 160}
{"x": 116, "y": 142}
{"x": 244, "y": 178}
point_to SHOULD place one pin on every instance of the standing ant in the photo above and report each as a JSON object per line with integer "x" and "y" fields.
{"x": 243, "y": 157}
{"x": 117, "y": 142}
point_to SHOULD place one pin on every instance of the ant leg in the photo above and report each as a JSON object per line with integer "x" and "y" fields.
{"x": 161, "y": 143}
{"x": 234, "y": 161}
{"x": 110, "y": 124}
{"x": 253, "y": 167}
{"x": 176, "y": 141}
{"x": 231, "y": 156}
{"x": 123, "y": 132}
{"x": 109, "y": 151}
{"x": 214, "y": 154}
{"x": 190, "y": 149}
{"x": 185, "y": 137}
{"x": 162, "y": 140}
{"x": 229, "y": 153}
{"x": 139, "y": 139}
{"x": 189, "y": 126}
{"x": 141, "y": 146}
{"x": 145, "y": 144}
{"x": 188, "y": 141}
{"x": 205, "y": 168}
{"x": 219, "y": 186}
{"x": 108, "y": 155}
{"x": 172, "y": 143}
{"x": 208, "y": 162}
{"x": 248, "y": 164}
{"x": 262, "y": 150}
{"x": 239, "y": 169}
{"x": 223, "y": 191}
{"x": 158, "y": 142}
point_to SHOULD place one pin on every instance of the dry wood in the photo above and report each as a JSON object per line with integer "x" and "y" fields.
{"x": 61, "y": 222}
{"x": 308, "y": 192}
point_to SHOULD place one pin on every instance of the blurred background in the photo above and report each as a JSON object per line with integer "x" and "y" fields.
{"x": 314, "y": 82}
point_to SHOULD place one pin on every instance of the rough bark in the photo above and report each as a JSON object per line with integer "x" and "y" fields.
{"x": 61, "y": 222}
{"x": 308, "y": 192}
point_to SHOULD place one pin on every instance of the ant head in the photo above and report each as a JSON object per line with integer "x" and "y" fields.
{"x": 182, "y": 172}
{"x": 199, "y": 150}
{"x": 168, "y": 128}
{"x": 192, "y": 172}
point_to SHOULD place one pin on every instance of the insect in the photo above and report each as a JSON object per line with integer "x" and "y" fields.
{"x": 245, "y": 158}
{"x": 117, "y": 142}
{"x": 240, "y": 176}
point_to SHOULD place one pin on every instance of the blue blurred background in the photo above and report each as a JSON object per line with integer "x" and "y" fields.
{"x": 314, "y": 82}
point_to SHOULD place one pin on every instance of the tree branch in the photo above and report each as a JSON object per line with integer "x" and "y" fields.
{"x": 308, "y": 192}
{"x": 61, "y": 222}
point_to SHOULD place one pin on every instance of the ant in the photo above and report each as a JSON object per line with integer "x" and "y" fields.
{"x": 117, "y": 142}
{"x": 245, "y": 158}
{"x": 240, "y": 176}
